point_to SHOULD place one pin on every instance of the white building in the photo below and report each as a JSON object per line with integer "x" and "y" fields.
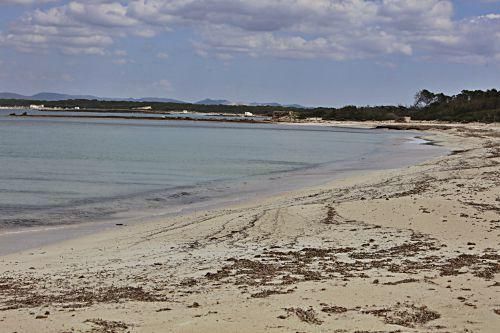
{"x": 37, "y": 107}
{"x": 248, "y": 114}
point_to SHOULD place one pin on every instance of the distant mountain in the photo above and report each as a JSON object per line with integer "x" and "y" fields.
{"x": 48, "y": 96}
{"x": 209, "y": 101}
{"x": 45, "y": 96}
{"x": 7, "y": 95}
{"x": 297, "y": 106}
{"x": 264, "y": 104}
{"x": 156, "y": 100}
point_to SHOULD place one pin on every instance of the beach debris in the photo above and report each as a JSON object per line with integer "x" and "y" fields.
{"x": 334, "y": 309}
{"x": 404, "y": 314}
{"x": 308, "y": 316}
{"x": 269, "y": 292}
{"x": 331, "y": 214}
{"x": 194, "y": 305}
{"x": 395, "y": 283}
{"x": 17, "y": 294}
{"x": 107, "y": 326}
{"x": 485, "y": 266}
{"x": 188, "y": 282}
{"x": 164, "y": 309}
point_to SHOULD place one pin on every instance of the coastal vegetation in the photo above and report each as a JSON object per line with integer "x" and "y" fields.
{"x": 467, "y": 106}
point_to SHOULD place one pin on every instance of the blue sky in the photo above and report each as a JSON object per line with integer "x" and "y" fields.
{"x": 311, "y": 52}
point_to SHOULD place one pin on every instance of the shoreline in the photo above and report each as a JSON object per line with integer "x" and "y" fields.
{"x": 419, "y": 125}
{"x": 241, "y": 121}
{"x": 373, "y": 252}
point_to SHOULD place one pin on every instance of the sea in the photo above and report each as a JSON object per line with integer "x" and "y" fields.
{"x": 60, "y": 172}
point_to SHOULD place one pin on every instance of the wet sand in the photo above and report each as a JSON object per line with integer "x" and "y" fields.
{"x": 406, "y": 250}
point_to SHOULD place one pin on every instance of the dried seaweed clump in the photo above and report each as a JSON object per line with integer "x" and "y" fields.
{"x": 334, "y": 309}
{"x": 308, "y": 316}
{"x": 407, "y": 315}
{"x": 105, "y": 326}
{"x": 485, "y": 266}
{"x": 18, "y": 298}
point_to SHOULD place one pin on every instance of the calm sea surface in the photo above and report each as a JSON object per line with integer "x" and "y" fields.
{"x": 64, "y": 171}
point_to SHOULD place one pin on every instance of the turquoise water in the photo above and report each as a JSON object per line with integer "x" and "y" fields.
{"x": 63, "y": 171}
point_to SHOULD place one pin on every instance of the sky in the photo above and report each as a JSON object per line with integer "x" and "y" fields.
{"x": 310, "y": 52}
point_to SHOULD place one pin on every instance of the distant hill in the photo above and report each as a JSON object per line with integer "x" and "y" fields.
{"x": 47, "y": 96}
{"x": 7, "y": 95}
{"x": 209, "y": 101}
{"x": 264, "y": 104}
{"x": 298, "y": 106}
{"x": 52, "y": 97}
{"x": 154, "y": 100}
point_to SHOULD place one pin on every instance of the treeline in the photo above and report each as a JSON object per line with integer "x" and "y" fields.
{"x": 85, "y": 104}
{"x": 356, "y": 113}
{"x": 468, "y": 106}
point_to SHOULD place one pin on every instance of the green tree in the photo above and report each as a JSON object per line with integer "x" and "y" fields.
{"x": 424, "y": 98}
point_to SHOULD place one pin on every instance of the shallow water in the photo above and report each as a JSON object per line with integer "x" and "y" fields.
{"x": 65, "y": 171}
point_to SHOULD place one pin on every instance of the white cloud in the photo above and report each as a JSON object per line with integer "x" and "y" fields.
{"x": 25, "y": 2}
{"x": 100, "y": 14}
{"x": 476, "y": 40}
{"x": 335, "y": 29}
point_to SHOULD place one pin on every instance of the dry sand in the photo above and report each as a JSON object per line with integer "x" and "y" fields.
{"x": 408, "y": 250}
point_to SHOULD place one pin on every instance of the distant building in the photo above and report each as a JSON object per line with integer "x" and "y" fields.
{"x": 248, "y": 114}
{"x": 144, "y": 108}
{"x": 77, "y": 108}
{"x": 36, "y": 107}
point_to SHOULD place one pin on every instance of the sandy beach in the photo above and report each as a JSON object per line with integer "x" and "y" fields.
{"x": 405, "y": 250}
